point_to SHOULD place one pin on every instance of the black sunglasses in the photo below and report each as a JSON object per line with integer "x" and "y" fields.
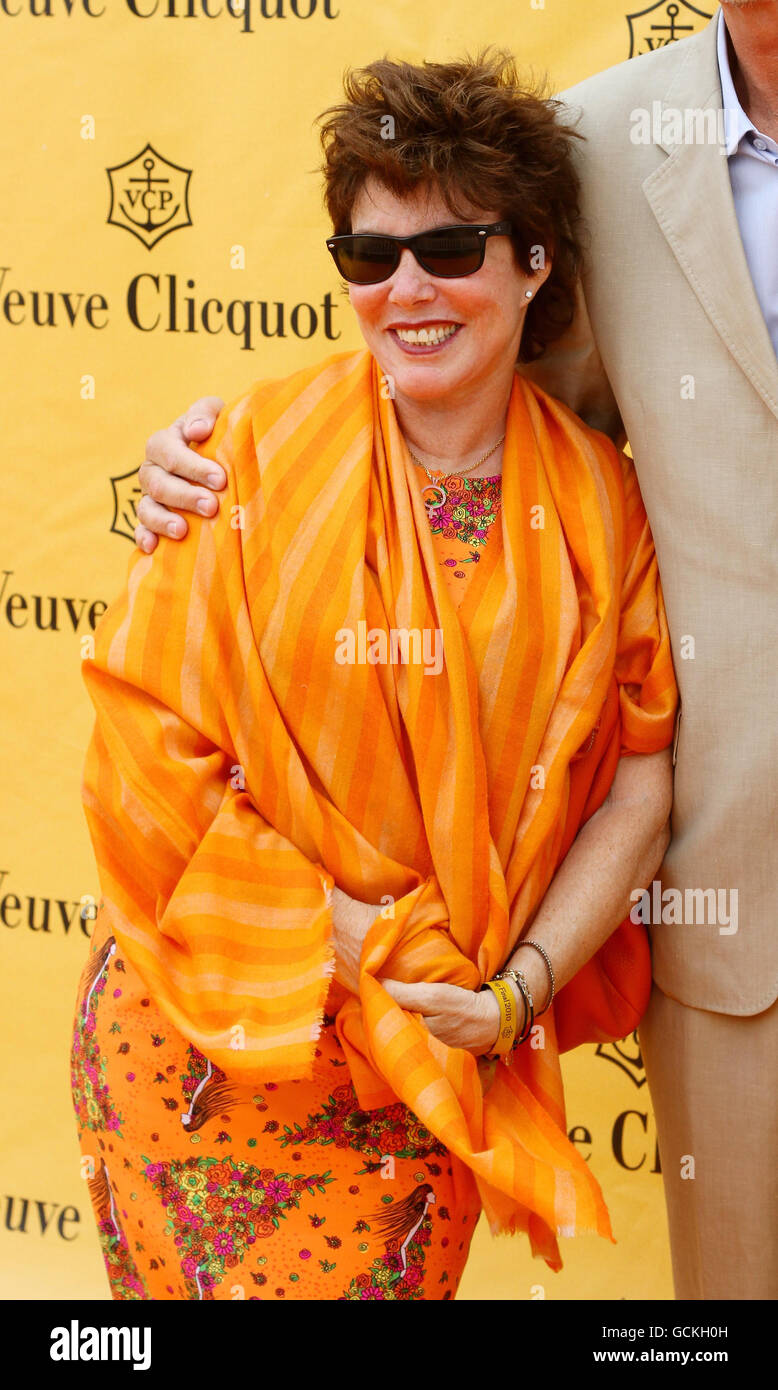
{"x": 367, "y": 258}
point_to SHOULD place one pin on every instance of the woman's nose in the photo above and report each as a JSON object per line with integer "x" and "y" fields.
{"x": 410, "y": 280}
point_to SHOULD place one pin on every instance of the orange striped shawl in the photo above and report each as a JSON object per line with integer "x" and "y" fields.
{"x": 237, "y": 769}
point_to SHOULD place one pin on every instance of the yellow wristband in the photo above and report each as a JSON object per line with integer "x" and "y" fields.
{"x": 508, "y": 1016}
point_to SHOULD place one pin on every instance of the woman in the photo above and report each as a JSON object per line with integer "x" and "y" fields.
{"x": 406, "y": 696}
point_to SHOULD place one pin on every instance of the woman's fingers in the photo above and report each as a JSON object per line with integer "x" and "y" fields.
{"x": 407, "y": 996}
{"x": 457, "y": 1017}
{"x": 422, "y": 998}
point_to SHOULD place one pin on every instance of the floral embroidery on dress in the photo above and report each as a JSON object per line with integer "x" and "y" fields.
{"x": 208, "y": 1091}
{"x": 217, "y": 1208}
{"x": 398, "y": 1274}
{"x": 392, "y": 1130}
{"x": 470, "y": 508}
{"x": 124, "y": 1277}
{"x": 91, "y": 1098}
{"x": 207, "y": 1213}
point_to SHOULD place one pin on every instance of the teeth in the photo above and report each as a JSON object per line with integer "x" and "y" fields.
{"x": 425, "y": 336}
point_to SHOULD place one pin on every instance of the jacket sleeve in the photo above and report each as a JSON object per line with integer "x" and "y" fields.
{"x": 648, "y": 692}
{"x": 226, "y": 920}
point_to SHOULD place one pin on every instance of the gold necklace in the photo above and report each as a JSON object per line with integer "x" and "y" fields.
{"x": 436, "y": 487}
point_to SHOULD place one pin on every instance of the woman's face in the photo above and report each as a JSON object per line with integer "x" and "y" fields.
{"x": 485, "y": 310}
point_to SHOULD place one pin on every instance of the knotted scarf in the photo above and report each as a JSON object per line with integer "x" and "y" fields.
{"x": 254, "y": 746}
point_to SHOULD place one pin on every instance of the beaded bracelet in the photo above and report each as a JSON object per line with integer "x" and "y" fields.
{"x": 544, "y": 954}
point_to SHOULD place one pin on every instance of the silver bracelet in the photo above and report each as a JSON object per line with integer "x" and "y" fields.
{"x": 544, "y": 954}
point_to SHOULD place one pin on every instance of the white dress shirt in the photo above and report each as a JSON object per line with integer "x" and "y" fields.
{"x": 752, "y": 159}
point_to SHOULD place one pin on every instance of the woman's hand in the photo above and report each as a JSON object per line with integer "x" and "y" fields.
{"x": 163, "y": 475}
{"x": 352, "y": 921}
{"x": 458, "y": 1017}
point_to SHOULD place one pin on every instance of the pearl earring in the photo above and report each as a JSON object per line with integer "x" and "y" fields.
{"x": 528, "y": 294}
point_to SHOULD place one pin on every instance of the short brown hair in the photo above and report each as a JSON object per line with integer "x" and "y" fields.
{"x": 471, "y": 130}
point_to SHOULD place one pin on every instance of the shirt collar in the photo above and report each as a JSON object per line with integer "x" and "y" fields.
{"x": 736, "y": 122}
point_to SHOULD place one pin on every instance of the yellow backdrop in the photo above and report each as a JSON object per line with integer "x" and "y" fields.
{"x": 162, "y": 238}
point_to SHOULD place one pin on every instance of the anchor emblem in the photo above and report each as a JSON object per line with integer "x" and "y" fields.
{"x": 626, "y": 1055}
{"x": 127, "y": 493}
{"x": 663, "y": 23}
{"x": 149, "y": 196}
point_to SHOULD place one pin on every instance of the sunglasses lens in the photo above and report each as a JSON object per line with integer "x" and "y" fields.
{"x": 366, "y": 260}
{"x": 451, "y": 253}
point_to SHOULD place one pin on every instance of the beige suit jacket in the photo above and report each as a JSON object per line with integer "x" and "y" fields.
{"x": 670, "y": 338}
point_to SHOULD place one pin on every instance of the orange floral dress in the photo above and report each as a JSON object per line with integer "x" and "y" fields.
{"x": 207, "y": 1189}
{"x": 461, "y": 525}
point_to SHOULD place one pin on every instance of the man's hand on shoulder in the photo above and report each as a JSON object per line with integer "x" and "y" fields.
{"x": 173, "y": 476}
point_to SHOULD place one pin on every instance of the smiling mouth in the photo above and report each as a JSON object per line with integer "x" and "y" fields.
{"x": 427, "y": 336}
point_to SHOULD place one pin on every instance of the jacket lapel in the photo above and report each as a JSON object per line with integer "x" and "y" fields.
{"x": 691, "y": 197}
